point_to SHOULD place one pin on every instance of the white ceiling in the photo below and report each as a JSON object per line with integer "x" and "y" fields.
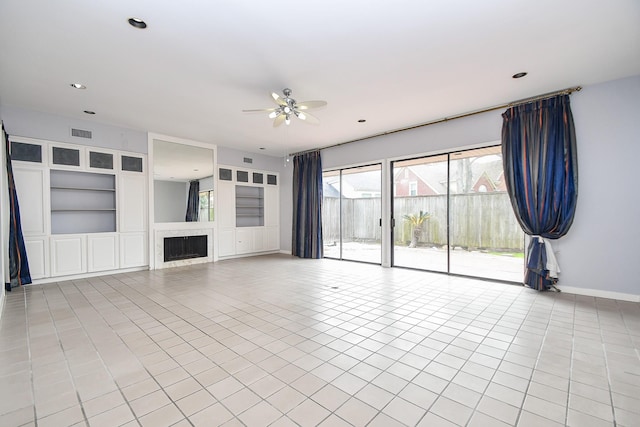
{"x": 394, "y": 63}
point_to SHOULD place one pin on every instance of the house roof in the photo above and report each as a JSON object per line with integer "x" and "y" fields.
{"x": 435, "y": 174}
{"x": 197, "y": 65}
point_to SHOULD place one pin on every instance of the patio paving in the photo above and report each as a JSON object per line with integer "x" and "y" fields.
{"x": 470, "y": 263}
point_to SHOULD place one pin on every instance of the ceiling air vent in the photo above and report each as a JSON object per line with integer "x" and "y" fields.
{"x": 81, "y": 133}
{"x": 247, "y": 160}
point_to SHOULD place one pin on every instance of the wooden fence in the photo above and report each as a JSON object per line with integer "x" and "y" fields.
{"x": 478, "y": 221}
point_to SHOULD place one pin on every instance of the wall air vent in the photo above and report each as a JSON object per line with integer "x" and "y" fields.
{"x": 81, "y": 133}
{"x": 248, "y": 160}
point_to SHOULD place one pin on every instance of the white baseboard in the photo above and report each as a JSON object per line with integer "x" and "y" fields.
{"x": 600, "y": 293}
{"x": 285, "y": 252}
{"x": 86, "y": 275}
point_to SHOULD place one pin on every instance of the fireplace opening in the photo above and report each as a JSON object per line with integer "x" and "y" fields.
{"x": 185, "y": 247}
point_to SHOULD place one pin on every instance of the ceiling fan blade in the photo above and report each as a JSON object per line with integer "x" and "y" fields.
{"x": 261, "y": 110}
{"x": 310, "y": 104}
{"x": 279, "y": 120}
{"x": 278, "y": 99}
{"x": 308, "y": 118}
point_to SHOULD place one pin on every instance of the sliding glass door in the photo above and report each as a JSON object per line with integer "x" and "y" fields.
{"x": 420, "y": 213}
{"x": 486, "y": 239}
{"x": 351, "y": 212}
{"x": 452, "y": 214}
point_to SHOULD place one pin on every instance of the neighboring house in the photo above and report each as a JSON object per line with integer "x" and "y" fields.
{"x": 407, "y": 181}
{"x": 484, "y": 184}
{"x": 328, "y": 190}
{"x": 354, "y": 186}
{"x": 431, "y": 178}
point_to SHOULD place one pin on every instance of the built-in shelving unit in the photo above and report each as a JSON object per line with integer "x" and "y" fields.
{"x": 82, "y": 202}
{"x": 84, "y": 209}
{"x": 248, "y": 219}
{"x": 249, "y": 206}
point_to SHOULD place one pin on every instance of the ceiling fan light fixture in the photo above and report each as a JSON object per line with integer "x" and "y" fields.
{"x": 287, "y": 107}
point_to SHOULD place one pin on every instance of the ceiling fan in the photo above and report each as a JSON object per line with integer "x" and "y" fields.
{"x": 288, "y": 107}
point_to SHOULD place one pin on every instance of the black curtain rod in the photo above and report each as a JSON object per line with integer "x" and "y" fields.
{"x": 567, "y": 91}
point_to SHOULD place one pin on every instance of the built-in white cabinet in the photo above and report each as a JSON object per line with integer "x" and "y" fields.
{"x": 132, "y": 206}
{"x": 132, "y": 203}
{"x": 133, "y": 250}
{"x": 38, "y": 256}
{"x": 30, "y": 185}
{"x": 68, "y": 254}
{"x": 248, "y": 211}
{"x": 272, "y": 238}
{"x": 102, "y": 252}
{"x": 83, "y": 209}
{"x": 244, "y": 240}
{"x": 226, "y": 241}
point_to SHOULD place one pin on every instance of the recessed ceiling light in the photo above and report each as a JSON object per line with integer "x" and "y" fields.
{"x": 195, "y": 170}
{"x": 361, "y": 121}
{"x": 89, "y": 112}
{"x": 262, "y": 148}
{"x": 519, "y": 75}
{"x": 137, "y": 22}
{"x": 78, "y": 86}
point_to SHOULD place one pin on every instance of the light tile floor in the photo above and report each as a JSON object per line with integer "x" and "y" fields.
{"x": 280, "y": 341}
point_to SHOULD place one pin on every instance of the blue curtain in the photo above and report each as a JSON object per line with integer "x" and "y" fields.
{"x": 193, "y": 202}
{"x": 18, "y": 264}
{"x": 541, "y": 175}
{"x": 307, "y": 205}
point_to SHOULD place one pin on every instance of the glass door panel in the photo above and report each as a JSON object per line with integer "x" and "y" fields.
{"x": 331, "y": 214}
{"x": 420, "y": 213}
{"x": 486, "y": 239}
{"x": 351, "y": 212}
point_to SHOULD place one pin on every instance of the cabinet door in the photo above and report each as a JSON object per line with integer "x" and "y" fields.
{"x": 244, "y": 240}
{"x": 30, "y": 186}
{"x": 102, "y": 252}
{"x": 226, "y": 200}
{"x": 68, "y": 255}
{"x": 132, "y": 202}
{"x": 271, "y": 206}
{"x": 133, "y": 250}
{"x": 101, "y": 161}
{"x": 272, "y": 238}
{"x": 37, "y": 254}
{"x": 65, "y": 156}
{"x": 258, "y": 239}
{"x": 226, "y": 241}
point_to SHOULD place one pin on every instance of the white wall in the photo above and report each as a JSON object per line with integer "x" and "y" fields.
{"x": 601, "y": 249}
{"x": 597, "y": 256}
{"x": 170, "y": 200}
{"x": 230, "y": 157}
{"x": 34, "y": 124}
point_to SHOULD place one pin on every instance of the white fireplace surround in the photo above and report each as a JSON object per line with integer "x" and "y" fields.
{"x": 178, "y": 229}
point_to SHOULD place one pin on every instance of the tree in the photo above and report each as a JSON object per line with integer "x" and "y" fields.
{"x": 416, "y": 226}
